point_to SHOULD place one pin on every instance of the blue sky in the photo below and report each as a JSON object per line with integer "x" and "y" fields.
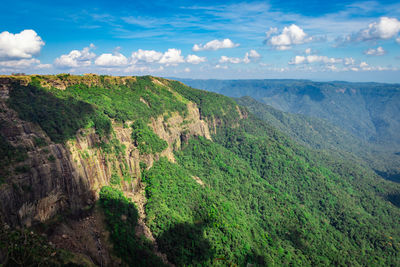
{"x": 343, "y": 40}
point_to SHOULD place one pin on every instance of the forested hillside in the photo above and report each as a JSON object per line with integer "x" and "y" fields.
{"x": 366, "y": 110}
{"x": 211, "y": 182}
{"x": 320, "y": 134}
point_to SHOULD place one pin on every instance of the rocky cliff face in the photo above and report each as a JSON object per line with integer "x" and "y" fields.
{"x": 67, "y": 177}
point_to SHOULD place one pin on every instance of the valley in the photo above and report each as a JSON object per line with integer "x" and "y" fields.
{"x": 173, "y": 175}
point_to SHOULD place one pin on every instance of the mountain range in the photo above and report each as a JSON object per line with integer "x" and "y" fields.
{"x": 146, "y": 171}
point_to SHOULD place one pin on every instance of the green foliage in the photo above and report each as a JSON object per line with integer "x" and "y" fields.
{"x": 211, "y": 105}
{"x": 141, "y": 99}
{"x": 320, "y": 134}
{"x": 22, "y": 169}
{"x": 113, "y": 146}
{"x": 25, "y": 248}
{"x": 146, "y": 140}
{"x": 300, "y": 207}
{"x": 39, "y": 142}
{"x": 250, "y": 196}
{"x": 122, "y": 218}
{"x": 9, "y": 154}
{"x": 142, "y": 166}
{"x": 51, "y": 158}
{"x": 115, "y": 179}
{"x": 59, "y": 117}
{"x": 365, "y": 110}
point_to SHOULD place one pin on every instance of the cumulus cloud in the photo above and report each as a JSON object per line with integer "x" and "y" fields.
{"x": 379, "y": 51}
{"x": 398, "y": 40}
{"x": 384, "y": 28}
{"x": 187, "y": 69}
{"x": 193, "y": 59}
{"x": 298, "y": 60}
{"x": 19, "y": 63}
{"x": 76, "y": 58}
{"x": 292, "y": 35}
{"x": 251, "y": 55}
{"x": 111, "y": 60}
{"x": 233, "y": 60}
{"x": 215, "y": 45}
{"x": 147, "y": 56}
{"x": 23, "y": 45}
{"x": 172, "y": 57}
{"x": 314, "y": 59}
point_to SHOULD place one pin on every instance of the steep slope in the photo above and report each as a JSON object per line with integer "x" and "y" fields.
{"x": 222, "y": 187}
{"x": 65, "y": 137}
{"x": 320, "y": 134}
{"x": 315, "y": 191}
{"x": 367, "y": 110}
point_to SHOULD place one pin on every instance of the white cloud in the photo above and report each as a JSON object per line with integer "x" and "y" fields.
{"x": 291, "y": 35}
{"x": 172, "y": 57}
{"x": 218, "y": 66}
{"x": 143, "y": 69}
{"x": 332, "y": 67}
{"x": 187, "y": 69}
{"x": 193, "y": 59}
{"x": 215, "y": 45}
{"x": 384, "y": 28}
{"x": 297, "y": 60}
{"x": 314, "y": 59}
{"x": 379, "y": 51}
{"x": 111, "y": 60}
{"x": 251, "y": 55}
{"x": 233, "y": 60}
{"x": 398, "y": 40}
{"x": 44, "y": 66}
{"x": 148, "y": 56}
{"x": 364, "y": 65}
{"x": 21, "y": 45}
{"x": 308, "y": 51}
{"x": 349, "y": 61}
{"x": 76, "y": 58}
{"x": 271, "y": 31}
{"x": 19, "y": 63}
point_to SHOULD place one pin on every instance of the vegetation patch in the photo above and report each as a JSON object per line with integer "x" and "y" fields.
{"x": 59, "y": 117}
{"x": 26, "y": 248}
{"x": 121, "y": 218}
{"x": 9, "y": 154}
{"x": 146, "y": 140}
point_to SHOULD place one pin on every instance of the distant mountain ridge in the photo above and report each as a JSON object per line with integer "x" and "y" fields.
{"x": 322, "y": 135}
{"x": 367, "y": 110}
{"x": 154, "y": 172}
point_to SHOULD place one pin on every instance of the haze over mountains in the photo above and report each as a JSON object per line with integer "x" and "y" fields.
{"x": 366, "y": 113}
{"x": 367, "y": 110}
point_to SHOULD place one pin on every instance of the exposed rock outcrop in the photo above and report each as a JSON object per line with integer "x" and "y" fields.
{"x": 58, "y": 177}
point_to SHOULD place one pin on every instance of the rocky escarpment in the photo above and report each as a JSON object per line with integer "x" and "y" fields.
{"x": 56, "y": 177}
{"x": 45, "y": 181}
